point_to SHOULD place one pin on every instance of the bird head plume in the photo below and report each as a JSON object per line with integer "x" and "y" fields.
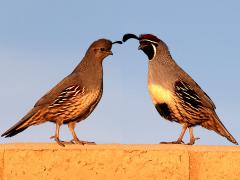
{"x": 148, "y": 43}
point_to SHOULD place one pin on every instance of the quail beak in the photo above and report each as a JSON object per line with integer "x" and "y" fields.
{"x": 109, "y": 52}
{"x": 140, "y": 47}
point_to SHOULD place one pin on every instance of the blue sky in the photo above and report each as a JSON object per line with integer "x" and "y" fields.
{"x": 42, "y": 41}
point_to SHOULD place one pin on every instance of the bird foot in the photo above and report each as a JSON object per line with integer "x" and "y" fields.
{"x": 192, "y": 141}
{"x": 77, "y": 141}
{"x": 173, "y": 142}
{"x": 58, "y": 141}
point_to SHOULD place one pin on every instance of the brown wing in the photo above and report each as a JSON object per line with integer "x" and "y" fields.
{"x": 188, "y": 96}
{"x": 205, "y": 99}
{"x": 194, "y": 109}
{"x": 74, "y": 104}
{"x": 67, "y": 95}
{"x": 56, "y": 91}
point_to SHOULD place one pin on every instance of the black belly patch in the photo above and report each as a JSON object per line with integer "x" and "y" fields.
{"x": 163, "y": 110}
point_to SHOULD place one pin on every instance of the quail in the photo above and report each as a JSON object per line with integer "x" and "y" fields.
{"x": 74, "y": 98}
{"x": 176, "y": 96}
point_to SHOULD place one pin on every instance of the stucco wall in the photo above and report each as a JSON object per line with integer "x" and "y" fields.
{"x": 50, "y": 161}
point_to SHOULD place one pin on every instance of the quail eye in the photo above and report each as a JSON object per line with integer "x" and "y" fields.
{"x": 102, "y": 49}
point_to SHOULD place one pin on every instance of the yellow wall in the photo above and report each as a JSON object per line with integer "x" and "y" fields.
{"x": 50, "y": 161}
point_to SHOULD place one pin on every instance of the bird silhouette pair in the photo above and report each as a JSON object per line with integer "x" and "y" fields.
{"x": 176, "y": 96}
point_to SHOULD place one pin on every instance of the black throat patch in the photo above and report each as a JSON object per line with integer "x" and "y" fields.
{"x": 149, "y": 51}
{"x": 149, "y": 48}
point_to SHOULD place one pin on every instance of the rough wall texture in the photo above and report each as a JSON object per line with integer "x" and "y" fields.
{"x": 214, "y": 163}
{"x": 50, "y": 161}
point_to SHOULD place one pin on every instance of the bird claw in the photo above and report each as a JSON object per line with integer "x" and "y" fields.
{"x": 61, "y": 143}
{"x": 89, "y": 143}
{"x": 73, "y": 141}
{"x": 173, "y": 142}
{"x": 58, "y": 141}
{"x": 192, "y": 141}
{"x": 77, "y": 141}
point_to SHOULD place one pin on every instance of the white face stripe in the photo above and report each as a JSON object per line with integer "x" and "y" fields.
{"x": 149, "y": 41}
{"x": 153, "y": 44}
{"x": 155, "y": 50}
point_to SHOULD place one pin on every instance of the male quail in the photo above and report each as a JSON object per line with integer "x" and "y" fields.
{"x": 176, "y": 96}
{"x": 74, "y": 98}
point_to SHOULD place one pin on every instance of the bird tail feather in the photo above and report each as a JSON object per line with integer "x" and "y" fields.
{"x": 23, "y": 124}
{"x": 216, "y": 125}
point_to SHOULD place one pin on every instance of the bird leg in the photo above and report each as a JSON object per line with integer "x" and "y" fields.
{"x": 192, "y": 138}
{"x": 75, "y": 140}
{"x": 179, "y": 140}
{"x": 56, "y": 136}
